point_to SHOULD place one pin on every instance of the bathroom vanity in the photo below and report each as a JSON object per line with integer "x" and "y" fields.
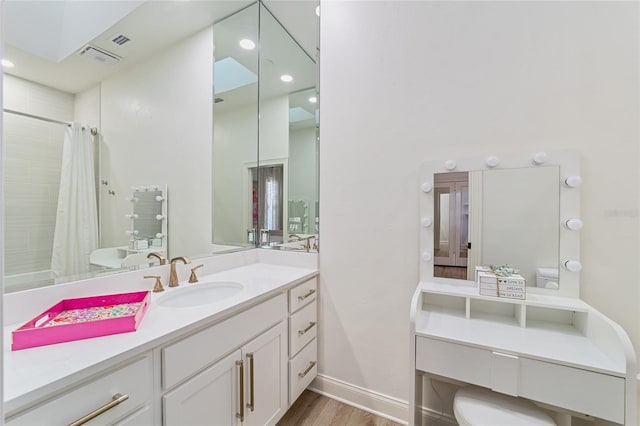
{"x": 240, "y": 360}
{"x": 550, "y": 346}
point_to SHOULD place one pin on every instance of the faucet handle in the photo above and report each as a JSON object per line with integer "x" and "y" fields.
{"x": 158, "y": 285}
{"x": 194, "y": 278}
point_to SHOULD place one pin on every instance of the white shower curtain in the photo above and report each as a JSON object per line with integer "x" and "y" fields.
{"x": 76, "y": 232}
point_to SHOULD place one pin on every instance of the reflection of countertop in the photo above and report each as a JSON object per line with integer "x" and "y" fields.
{"x": 31, "y": 374}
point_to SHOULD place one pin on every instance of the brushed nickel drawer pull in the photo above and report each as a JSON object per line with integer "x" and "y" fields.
{"x": 309, "y": 327}
{"x": 240, "y": 415}
{"x": 117, "y": 399}
{"x": 305, "y": 372}
{"x": 309, "y": 293}
{"x": 251, "y": 403}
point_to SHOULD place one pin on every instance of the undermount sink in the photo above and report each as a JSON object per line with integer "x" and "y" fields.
{"x": 200, "y": 294}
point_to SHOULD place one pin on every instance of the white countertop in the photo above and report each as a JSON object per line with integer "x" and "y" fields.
{"x": 31, "y": 374}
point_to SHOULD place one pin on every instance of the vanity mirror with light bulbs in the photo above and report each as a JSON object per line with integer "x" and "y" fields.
{"x": 149, "y": 207}
{"x": 548, "y": 346}
{"x": 521, "y": 209}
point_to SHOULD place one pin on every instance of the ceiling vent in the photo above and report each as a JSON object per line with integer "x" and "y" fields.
{"x": 120, "y": 39}
{"x": 99, "y": 55}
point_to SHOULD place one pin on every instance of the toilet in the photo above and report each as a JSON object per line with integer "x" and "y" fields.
{"x": 482, "y": 407}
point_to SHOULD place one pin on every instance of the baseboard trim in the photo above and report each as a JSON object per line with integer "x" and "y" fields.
{"x": 373, "y": 402}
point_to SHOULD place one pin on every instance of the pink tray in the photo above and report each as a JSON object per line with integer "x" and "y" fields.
{"x": 83, "y": 318}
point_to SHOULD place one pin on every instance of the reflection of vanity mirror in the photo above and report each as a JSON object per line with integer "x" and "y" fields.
{"x": 147, "y": 232}
{"x": 150, "y": 99}
{"x": 149, "y": 218}
{"x": 508, "y": 210}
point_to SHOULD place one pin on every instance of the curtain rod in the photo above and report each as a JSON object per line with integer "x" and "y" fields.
{"x": 94, "y": 131}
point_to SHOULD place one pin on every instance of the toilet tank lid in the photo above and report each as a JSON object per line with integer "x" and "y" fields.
{"x": 547, "y": 272}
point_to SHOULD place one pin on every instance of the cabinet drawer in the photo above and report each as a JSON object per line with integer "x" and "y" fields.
{"x": 303, "y": 294}
{"x": 186, "y": 357}
{"x": 461, "y": 362}
{"x": 303, "y": 368}
{"x": 142, "y": 417}
{"x": 134, "y": 379}
{"x": 302, "y": 327}
{"x": 587, "y": 392}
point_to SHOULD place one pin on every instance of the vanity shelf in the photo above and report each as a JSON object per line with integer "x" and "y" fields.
{"x": 555, "y": 350}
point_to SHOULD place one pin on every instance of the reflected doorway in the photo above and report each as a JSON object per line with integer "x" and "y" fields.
{"x": 451, "y": 233}
{"x": 267, "y": 195}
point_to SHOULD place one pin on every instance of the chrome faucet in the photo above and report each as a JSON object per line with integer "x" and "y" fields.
{"x": 161, "y": 258}
{"x": 173, "y": 276}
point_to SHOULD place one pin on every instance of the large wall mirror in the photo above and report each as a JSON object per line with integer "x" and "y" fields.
{"x": 511, "y": 210}
{"x": 140, "y": 75}
{"x": 270, "y": 201}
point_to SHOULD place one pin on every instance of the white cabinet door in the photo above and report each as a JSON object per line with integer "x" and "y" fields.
{"x": 265, "y": 360}
{"x": 209, "y": 398}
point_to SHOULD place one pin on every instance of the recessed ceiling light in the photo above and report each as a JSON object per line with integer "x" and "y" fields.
{"x": 318, "y": 10}
{"x": 313, "y": 99}
{"x": 245, "y": 43}
{"x": 286, "y": 78}
{"x": 7, "y": 63}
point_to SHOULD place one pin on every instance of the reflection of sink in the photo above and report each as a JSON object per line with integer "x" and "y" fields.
{"x": 200, "y": 294}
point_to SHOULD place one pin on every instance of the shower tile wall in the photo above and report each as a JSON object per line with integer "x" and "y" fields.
{"x": 32, "y": 156}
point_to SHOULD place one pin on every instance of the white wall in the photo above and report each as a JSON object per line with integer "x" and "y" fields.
{"x": 274, "y": 128}
{"x": 32, "y": 158}
{"x": 235, "y": 149}
{"x": 407, "y": 82}
{"x": 156, "y": 129}
{"x": 303, "y": 170}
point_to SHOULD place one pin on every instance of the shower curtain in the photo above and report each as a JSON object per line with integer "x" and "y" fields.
{"x": 76, "y": 231}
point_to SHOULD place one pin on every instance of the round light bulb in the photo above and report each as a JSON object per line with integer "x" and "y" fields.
{"x": 539, "y": 157}
{"x": 573, "y": 181}
{"x": 426, "y": 256}
{"x": 159, "y": 235}
{"x": 159, "y": 198}
{"x": 574, "y": 224}
{"x": 427, "y": 222}
{"x": 286, "y": 78}
{"x": 426, "y": 187}
{"x": 247, "y": 44}
{"x": 313, "y": 99}
{"x": 449, "y": 165}
{"x": 159, "y": 217}
{"x": 492, "y": 161}
{"x": 573, "y": 265}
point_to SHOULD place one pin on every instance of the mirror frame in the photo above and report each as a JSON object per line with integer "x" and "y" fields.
{"x": 568, "y": 163}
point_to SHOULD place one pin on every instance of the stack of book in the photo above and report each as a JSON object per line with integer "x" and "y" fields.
{"x": 512, "y": 287}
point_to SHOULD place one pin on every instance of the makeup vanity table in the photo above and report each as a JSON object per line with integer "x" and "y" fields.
{"x": 551, "y": 347}
{"x": 554, "y": 350}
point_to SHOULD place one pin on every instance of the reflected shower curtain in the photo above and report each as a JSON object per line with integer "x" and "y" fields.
{"x": 76, "y": 231}
{"x": 271, "y": 192}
